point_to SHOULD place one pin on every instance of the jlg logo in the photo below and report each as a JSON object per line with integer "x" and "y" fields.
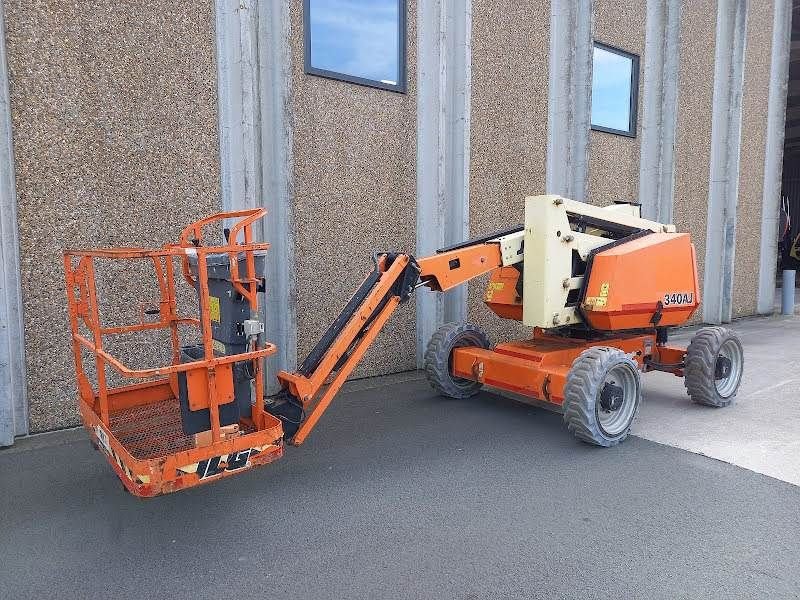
{"x": 679, "y": 298}
{"x": 227, "y": 462}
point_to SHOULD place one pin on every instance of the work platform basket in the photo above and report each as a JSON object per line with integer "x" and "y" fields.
{"x": 140, "y": 426}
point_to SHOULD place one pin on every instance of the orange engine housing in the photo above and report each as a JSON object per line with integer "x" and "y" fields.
{"x": 632, "y": 282}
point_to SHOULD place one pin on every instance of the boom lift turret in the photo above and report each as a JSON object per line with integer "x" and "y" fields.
{"x": 599, "y": 286}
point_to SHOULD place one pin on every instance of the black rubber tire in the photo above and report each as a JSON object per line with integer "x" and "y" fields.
{"x": 701, "y": 361}
{"x": 582, "y": 392}
{"x": 439, "y": 351}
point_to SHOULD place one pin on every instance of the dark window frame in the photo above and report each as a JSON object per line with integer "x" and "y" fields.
{"x": 402, "y": 51}
{"x": 633, "y": 121}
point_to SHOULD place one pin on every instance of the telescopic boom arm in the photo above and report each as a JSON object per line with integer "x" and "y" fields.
{"x": 309, "y": 391}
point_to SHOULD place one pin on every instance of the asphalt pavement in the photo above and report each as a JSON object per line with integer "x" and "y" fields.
{"x": 402, "y": 494}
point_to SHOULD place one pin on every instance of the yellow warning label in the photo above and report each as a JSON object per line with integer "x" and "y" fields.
{"x": 604, "y": 290}
{"x": 493, "y": 287}
{"x": 213, "y": 308}
{"x": 595, "y": 302}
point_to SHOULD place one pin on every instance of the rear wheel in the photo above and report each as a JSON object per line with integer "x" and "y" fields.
{"x": 439, "y": 354}
{"x": 714, "y": 366}
{"x": 602, "y": 396}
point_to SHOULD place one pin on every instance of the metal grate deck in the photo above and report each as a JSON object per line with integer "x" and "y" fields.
{"x": 154, "y": 430}
{"x": 151, "y": 430}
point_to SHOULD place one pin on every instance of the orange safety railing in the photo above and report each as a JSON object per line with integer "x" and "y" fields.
{"x": 79, "y": 270}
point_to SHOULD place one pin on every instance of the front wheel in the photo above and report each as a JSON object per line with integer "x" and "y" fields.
{"x": 714, "y": 366}
{"x": 439, "y": 355}
{"x": 602, "y": 396}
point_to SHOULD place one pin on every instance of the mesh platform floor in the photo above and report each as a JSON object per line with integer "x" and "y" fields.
{"x": 151, "y": 430}
{"x": 154, "y": 430}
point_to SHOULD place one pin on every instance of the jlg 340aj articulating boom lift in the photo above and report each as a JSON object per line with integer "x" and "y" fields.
{"x": 599, "y": 286}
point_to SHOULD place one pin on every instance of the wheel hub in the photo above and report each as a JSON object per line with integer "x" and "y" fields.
{"x": 611, "y": 397}
{"x": 722, "y": 369}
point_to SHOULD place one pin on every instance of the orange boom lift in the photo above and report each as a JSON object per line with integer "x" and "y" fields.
{"x": 600, "y": 288}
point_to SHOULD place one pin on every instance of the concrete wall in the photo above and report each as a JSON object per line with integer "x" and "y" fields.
{"x": 755, "y": 98}
{"x": 508, "y": 140}
{"x": 693, "y": 128}
{"x": 614, "y": 159}
{"x": 115, "y": 135}
{"x": 115, "y": 132}
{"x": 354, "y": 152}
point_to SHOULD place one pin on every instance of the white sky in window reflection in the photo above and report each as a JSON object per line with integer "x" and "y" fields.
{"x": 611, "y": 90}
{"x": 356, "y": 37}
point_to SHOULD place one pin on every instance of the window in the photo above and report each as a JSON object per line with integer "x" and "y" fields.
{"x": 359, "y": 41}
{"x": 615, "y": 90}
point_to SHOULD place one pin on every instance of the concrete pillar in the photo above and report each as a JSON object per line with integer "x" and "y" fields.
{"x": 13, "y": 400}
{"x": 726, "y": 122}
{"x": 569, "y": 98}
{"x": 237, "y": 92}
{"x": 659, "y": 114}
{"x": 443, "y": 118}
{"x": 773, "y": 157}
{"x": 255, "y": 150}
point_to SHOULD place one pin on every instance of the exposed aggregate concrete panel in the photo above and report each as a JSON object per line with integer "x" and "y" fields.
{"x": 354, "y": 193}
{"x": 115, "y": 134}
{"x": 755, "y": 98}
{"x": 508, "y": 137}
{"x": 614, "y": 159}
{"x": 693, "y": 127}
